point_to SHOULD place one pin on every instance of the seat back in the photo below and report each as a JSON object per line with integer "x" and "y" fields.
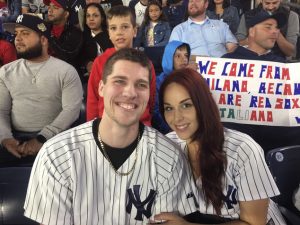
{"x": 284, "y": 164}
{"x": 13, "y": 187}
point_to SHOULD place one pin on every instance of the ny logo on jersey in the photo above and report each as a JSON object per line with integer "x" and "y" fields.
{"x": 19, "y": 19}
{"x": 135, "y": 199}
{"x": 230, "y": 198}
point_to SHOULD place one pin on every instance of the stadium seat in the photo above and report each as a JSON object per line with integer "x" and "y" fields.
{"x": 13, "y": 187}
{"x": 284, "y": 164}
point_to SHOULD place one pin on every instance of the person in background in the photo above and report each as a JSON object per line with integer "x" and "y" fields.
{"x": 229, "y": 169}
{"x": 286, "y": 42}
{"x": 176, "y": 56}
{"x": 155, "y": 29}
{"x": 35, "y": 6}
{"x": 66, "y": 39}
{"x": 122, "y": 29}
{"x": 40, "y": 95}
{"x": 9, "y": 10}
{"x": 222, "y": 10}
{"x": 95, "y": 35}
{"x": 139, "y": 7}
{"x": 175, "y": 11}
{"x": 7, "y": 51}
{"x": 263, "y": 34}
{"x": 206, "y": 37}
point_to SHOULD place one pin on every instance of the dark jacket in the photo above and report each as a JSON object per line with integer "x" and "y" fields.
{"x": 14, "y": 10}
{"x": 244, "y": 53}
{"x": 89, "y": 47}
{"x": 68, "y": 46}
{"x": 230, "y": 16}
{"x": 162, "y": 32}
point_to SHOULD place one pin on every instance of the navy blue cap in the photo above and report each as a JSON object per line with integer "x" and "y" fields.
{"x": 262, "y": 16}
{"x": 30, "y": 21}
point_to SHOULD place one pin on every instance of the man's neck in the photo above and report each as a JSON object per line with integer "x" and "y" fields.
{"x": 257, "y": 49}
{"x": 199, "y": 18}
{"x": 115, "y": 135}
{"x": 39, "y": 59}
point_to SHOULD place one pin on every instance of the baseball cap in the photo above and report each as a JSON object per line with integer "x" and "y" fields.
{"x": 262, "y": 16}
{"x": 30, "y": 21}
{"x": 61, "y": 4}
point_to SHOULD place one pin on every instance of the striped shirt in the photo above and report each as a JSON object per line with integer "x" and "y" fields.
{"x": 73, "y": 183}
{"x": 247, "y": 176}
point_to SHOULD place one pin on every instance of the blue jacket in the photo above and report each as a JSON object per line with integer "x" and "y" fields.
{"x": 167, "y": 65}
{"x": 162, "y": 32}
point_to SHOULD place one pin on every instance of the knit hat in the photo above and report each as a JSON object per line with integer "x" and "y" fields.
{"x": 30, "y": 21}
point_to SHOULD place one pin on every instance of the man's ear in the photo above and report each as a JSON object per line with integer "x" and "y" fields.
{"x": 44, "y": 40}
{"x": 251, "y": 32}
{"x": 100, "y": 89}
{"x": 66, "y": 14}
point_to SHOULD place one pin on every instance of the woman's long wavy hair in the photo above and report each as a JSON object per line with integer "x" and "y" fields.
{"x": 209, "y": 135}
{"x": 212, "y": 5}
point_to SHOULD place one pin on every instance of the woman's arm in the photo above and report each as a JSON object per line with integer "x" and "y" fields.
{"x": 251, "y": 213}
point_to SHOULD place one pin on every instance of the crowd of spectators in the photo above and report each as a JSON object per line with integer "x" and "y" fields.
{"x": 59, "y": 43}
{"x": 213, "y": 28}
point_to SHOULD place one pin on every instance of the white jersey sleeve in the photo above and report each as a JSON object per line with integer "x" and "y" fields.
{"x": 49, "y": 197}
{"x": 174, "y": 189}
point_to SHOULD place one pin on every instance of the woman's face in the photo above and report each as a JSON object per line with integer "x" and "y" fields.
{"x": 179, "y": 111}
{"x": 93, "y": 18}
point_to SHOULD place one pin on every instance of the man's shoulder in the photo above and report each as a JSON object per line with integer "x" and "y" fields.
{"x": 14, "y": 65}
{"x": 61, "y": 65}
{"x": 104, "y": 57}
{"x": 160, "y": 142}
{"x": 71, "y": 138}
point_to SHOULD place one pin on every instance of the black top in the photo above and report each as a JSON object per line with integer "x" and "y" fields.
{"x": 117, "y": 156}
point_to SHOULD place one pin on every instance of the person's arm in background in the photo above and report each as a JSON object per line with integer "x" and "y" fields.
{"x": 288, "y": 44}
{"x": 242, "y": 33}
{"x": 92, "y": 110}
{"x": 14, "y": 11}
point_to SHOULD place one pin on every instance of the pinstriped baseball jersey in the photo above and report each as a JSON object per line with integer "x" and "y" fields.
{"x": 73, "y": 183}
{"x": 247, "y": 176}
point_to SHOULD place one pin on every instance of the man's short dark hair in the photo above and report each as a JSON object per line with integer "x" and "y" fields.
{"x": 121, "y": 11}
{"x": 129, "y": 54}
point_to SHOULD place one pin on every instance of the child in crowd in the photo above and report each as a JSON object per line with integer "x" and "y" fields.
{"x": 122, "y": 29}
{"x": 176, "y": 56}
{"x": 95, "y": 35}
{"x": 155, "y": 30}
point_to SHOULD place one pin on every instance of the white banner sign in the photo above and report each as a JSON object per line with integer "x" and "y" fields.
{"x": 254, "y": 92}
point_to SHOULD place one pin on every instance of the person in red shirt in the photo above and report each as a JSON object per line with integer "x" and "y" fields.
{"x": 7, "y": 52}
{"x": 122, "y": 29}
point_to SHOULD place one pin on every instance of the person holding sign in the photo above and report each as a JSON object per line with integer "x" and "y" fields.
{"x": 262, "y": 37}
{"x": 263, "y": 34}
{"x": 230, "y": 173}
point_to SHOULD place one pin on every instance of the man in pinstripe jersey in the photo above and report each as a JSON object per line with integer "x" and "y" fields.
{"x": 113, "y": 171}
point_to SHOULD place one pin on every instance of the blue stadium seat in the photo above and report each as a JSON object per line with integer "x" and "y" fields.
{"x": 284, "y": 164}
{"x": 13, "y": 187}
